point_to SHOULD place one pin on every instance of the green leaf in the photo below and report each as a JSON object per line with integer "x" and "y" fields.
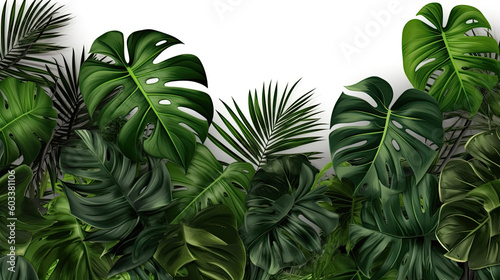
{"x": 157, "y": 102}
{"x": 26, "y": 116}
{"x": 469, "y": 226}
{"x": 115, "y": 202}
{"x": 207, "y": 247}
{"x": 399, "y": 229}
{"x": 284, "y": 223}
{"x": 373, "y": 155}
{"x": 447, "y": 62}
{"x": 19, "y": 269}
{"x": 489, "y": 273}
{"x": 26, "y": 33}
{"x": 274, "y": 125}
{"x": 207, "y": 183}
{"x": 28, "y": 219}
{"x": 63, "y": 242}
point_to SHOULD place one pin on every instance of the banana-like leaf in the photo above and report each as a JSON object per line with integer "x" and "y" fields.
{"x": 447, "y": 62}
{"x": 284, "y": 223}
{"x": 146, "y": 96}
{"x": 206, "y": 247}
{"x": 469, "y": 226}
{"x": 26, "y": 33}
{"x": 206, "y": 183}
{"x": 115, "y": 201}
{"x": 16, "y": 268}
{"x": 26, "y": 116}
{"x": 63, "y": 242}
{"x": 274, "y": 126}
{"x": 18, "y": 209}
{"x": 399, "y": 229}
{"x": 373, "y": 144}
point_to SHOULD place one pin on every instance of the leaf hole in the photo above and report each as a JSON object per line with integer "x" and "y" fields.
{"x": 165, "y": 102}
{"x": 161, "y": 43}
{"x": 152, "y": 81}
{"x": 424, "y": 62}
{"x": 131, "y": 113}
{"x": 395, "y": 145}
{"x": 396, "y": 124}
{"x": 470, "y": 21}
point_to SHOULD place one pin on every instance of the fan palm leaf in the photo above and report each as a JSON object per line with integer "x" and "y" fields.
{"x": 25, "y": 34}
{"x": 275, "y": 124}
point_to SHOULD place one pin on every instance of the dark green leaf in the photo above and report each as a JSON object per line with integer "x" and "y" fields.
{"x": 16, "y": 268}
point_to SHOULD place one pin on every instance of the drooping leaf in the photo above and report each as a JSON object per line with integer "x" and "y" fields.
{"x": 398, "y": 229}
{"x": 206, "y": 183}
{"x": 377, "y": 142}
{"x": 115, "y": 202}
{"x": 274, "y": 125}
{"x": 26, "y": 33}
{"x": 146, "y": 96}
{"x": 63, "y": 242}
{"x": 469, "y": 225}
{"x": 26, "y": 116}
{"x": 207, "y": 247}
{"x": 16, "y": 268}
{"x": 284, "y": 223}
{"x": 445, "y": 61}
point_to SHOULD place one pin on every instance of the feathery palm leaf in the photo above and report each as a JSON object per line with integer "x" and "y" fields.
{"x": 274, "y": 125}
{"x": 25, "y": 34}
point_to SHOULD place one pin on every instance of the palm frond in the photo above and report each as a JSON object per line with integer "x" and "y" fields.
{"x": 275, "y": 124}
{"x": 25, "y": 35}
{"x": 72, "y": 115}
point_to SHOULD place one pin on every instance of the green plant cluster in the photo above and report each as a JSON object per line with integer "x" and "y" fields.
{"x": 113, "y": 180}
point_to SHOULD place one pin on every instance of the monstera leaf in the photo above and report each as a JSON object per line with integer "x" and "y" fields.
{"x": 146, "y": 97}
{"x": 115, "y": 202}
{"x": 370, "y": 147}
{"x": 207, "y": 183}
{"x": 469, "y": 226}
{"x": 446, "y": 61}
{"x": 490, "y": 273}
{"x": 206, "y": 247}
{"x": 20, "y": 269}
{"x": 63, "y": 243}
{"x": 284, "y": 223}
{"x": 26, "y": 117}
{"x": 399, "y": 229}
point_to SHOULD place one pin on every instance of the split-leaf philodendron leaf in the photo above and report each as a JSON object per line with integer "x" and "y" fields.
{"x": 373, "y": 144}
{"x": 282, "y": 209}
{"x": 207, "y": 247}
{"x": 445, "y": 61}
{"x": 399, "y": 229}
{"x": 63, "y": 242}
{"x": 147, "y": 95}
{"x": 115, "y": 201}
{"x": 26, "y": 117}
{"x": 469, "y": 223}
{"x": 206, "y": 183}
{"x": 16, "y": 268}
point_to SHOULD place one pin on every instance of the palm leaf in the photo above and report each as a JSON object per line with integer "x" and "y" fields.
{"x": 274, "y": 125}
{"x": 25, "y": 35}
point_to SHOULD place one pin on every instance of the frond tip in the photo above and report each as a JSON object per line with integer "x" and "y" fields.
{"x": 275, "y": 124}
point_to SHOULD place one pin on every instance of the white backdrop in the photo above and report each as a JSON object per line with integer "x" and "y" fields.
{"x": 243, "y": 43}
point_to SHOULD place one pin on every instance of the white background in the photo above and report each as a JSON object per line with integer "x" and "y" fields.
{"x": 243, "y": 43}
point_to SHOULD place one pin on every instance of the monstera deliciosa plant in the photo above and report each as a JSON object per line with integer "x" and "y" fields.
{"x": 106, "y": 174}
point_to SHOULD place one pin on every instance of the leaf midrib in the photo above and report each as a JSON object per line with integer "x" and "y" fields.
{"x": 452, "y": 60}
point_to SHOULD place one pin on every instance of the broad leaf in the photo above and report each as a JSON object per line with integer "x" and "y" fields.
{"x": 274, "y": 126}
{"x": 207, "y": 247}
{"x": 26, "y": 117}
{"x": 373, "y": 144}
{"x": 63, "y": 242}
{"x": 284, "y": 223}
{"x": 26, "y": 33}
{"x": 207, "y": 183}
{"x": 490, "y": 273}
{"x": 469, "y": 225}
{"x": 16, "y": 268}
{"x": 115, "y": 202}
{"x": 146, "y": 96}
{"x": 447, "y": 62}
{"x": 399, "y": 229}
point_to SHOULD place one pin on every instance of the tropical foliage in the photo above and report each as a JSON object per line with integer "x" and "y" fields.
{"x": 105, "y": 173}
